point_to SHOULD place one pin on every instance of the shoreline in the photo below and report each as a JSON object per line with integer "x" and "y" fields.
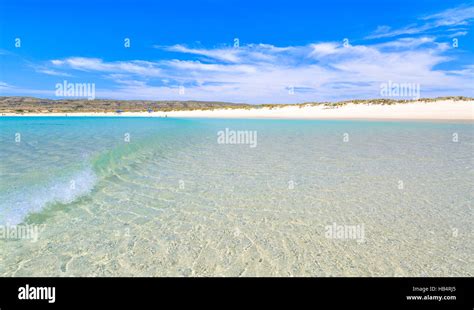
{"x": 438, "y": 110}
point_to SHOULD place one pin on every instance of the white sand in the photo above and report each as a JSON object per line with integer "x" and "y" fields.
{"x": 439, "y": 110}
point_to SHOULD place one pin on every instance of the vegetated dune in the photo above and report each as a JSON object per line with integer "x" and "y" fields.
{"x": 25, "y": 105}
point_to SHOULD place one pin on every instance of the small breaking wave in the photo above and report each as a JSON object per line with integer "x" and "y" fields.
{"x": 17, "y": 205}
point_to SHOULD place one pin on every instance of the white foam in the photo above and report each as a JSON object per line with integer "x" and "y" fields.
{"x": 16, "y": 206}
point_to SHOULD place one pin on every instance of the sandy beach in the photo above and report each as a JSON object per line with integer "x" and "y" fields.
{"x": 418, "y": 110}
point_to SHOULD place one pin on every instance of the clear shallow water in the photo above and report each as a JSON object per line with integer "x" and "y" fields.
{"x": 173, "y": 201}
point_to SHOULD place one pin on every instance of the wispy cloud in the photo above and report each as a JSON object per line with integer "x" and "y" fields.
{"x": 52, "y": 72}
{"x": 5, "y": 86}
{"x": 7, "y": 89}
{"x": 225, "y": 54}
{"x": 459, "y": 16}
{"x": 139, "y": 67}
{"x": 320, "y": 71}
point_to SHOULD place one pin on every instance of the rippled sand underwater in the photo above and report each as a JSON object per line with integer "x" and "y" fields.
{"x": 174, "y": 202}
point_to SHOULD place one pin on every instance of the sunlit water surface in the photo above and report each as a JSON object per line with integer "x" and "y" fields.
{"x": 161, "y": 197}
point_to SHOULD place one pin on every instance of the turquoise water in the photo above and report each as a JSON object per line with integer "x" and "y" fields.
{"x": 158, "y": 197}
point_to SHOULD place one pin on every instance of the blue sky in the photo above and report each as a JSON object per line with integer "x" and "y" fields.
{"x": 287, "y": 51}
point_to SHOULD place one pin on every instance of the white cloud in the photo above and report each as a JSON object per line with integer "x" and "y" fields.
{"x": 139, "y": 67}
{"x": 458, "y": 16}
{"x": 5, "y": 86}
{"x": 11, "y": 90}
{"x": 53, "y": 72}
{"x": 458, "y": 34}
{"x": 316, "y": 72}
{"x": 407, "y": 42}
{"x": 452, "y": 17}
{"x": 225, "y": 54}
{"x": 263, "y": 73}
{"x": 244, "y": 54}
{"x": 323, "y": 49}
{"x": 197, "y": 66}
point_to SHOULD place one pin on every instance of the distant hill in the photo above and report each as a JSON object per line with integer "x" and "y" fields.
{"x": 37, "y": 105}
{"x": 19, "y": 105}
